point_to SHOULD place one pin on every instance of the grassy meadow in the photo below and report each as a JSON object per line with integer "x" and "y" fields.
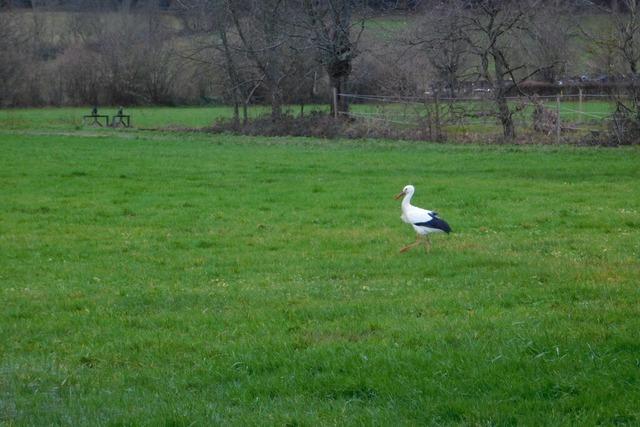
{"x": 70, "y": 118}
{"x": 584, "y": 117}
{"x": 185, "y": 279}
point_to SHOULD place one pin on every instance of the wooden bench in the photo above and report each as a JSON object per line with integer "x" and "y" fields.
{"x": 121, "y": 120}
{"x": 96, "y": 120}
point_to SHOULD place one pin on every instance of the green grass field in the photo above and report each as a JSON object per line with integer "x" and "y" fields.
{"x": 182, "y": 279}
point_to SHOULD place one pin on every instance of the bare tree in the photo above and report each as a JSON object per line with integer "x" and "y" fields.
{"x": 12, "y": 65}
{"x": 627, "y": 25}
{"x": 440, "y": 36}
{"x": 265, "y": 35}
{"x": 233, "y": 36}
{"x": 492, "y": 28}
{"x": 551, "y": 35}
{"x": 213, "y": 42}
{"x": 334, "y": 34}
{"x": 621, "y": 43}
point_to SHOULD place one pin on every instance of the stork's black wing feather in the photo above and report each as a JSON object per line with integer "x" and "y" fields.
{"x": 435, "y": 222}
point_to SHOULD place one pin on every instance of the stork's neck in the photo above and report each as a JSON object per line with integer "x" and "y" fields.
{"x": 406, "y": 201}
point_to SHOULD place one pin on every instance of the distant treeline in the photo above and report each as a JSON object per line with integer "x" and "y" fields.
{"x": 83, "y": 4}
{"x": 162, "y": 4}
{"x": 196, "y": 55}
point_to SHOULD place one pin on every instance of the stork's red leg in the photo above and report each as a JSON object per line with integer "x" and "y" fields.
{"x": 427, "y": 243}
{"x": 412, "y": 245}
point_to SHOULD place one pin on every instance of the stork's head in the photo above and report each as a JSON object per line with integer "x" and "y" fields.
{"x": 408, "y": 189}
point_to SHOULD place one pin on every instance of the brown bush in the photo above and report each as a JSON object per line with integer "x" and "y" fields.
{"x": 81, "y": 76}
{"x": 319, "y": 125}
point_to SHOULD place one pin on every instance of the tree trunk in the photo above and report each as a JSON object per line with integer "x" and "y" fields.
{"x": 337, "y": 83}
{"x": 236, "y": 113}
{"x": 276, "y": 103}
{"x": 245, "y": 113}
{"x": 330, "y": 22}
{"x": 504, "y": 113}
{"x": 508, "y": 130}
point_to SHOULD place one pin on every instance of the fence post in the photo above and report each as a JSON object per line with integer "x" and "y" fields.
{"x": 579, "y": 105}
{"x": 335, "y": 102}
{"x": 437, "y": 107}
{"x": 558, "y": 119}
{"x": 428, "y": 116}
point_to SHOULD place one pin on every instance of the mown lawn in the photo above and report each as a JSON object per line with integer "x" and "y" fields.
{"x": 180, "y": 279}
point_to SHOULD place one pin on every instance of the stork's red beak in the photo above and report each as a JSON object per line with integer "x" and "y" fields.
{"x": 397, "y": 196}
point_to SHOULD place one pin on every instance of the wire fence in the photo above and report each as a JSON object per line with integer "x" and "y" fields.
{"x": 559, "y": 117}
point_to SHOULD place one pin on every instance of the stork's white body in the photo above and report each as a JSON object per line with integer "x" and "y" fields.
{"x": 414, "y": 215}
{"x": 423, "y": 221}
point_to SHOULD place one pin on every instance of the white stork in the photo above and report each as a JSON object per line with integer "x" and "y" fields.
{"x": 423, "y": 221}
